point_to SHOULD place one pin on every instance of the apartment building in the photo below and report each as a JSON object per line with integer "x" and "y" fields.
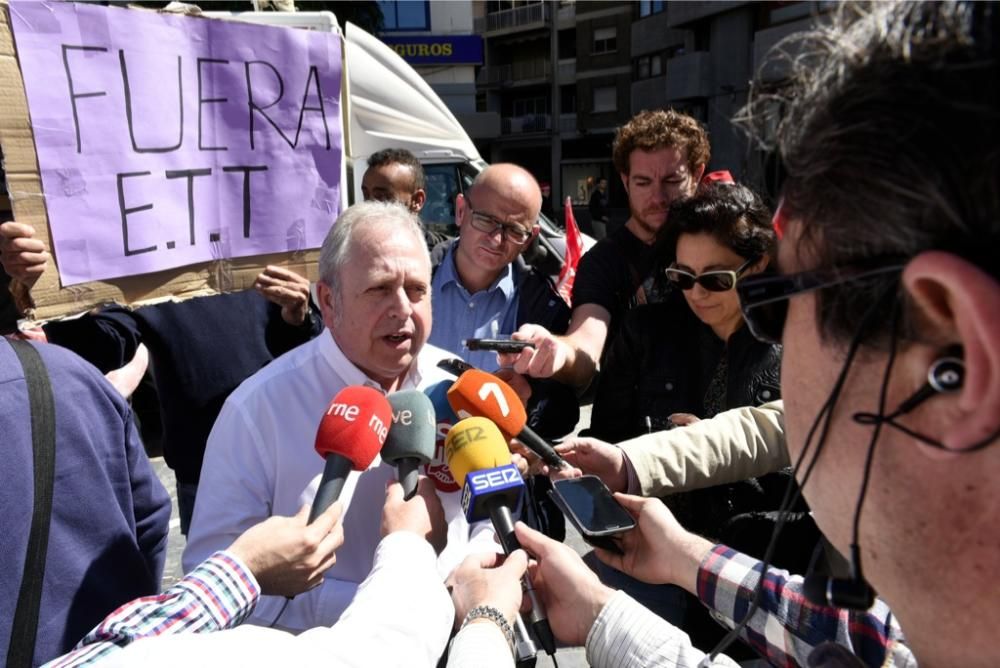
{"x": 701, "y": 56}
{"x": 545, "y": 83}
{"x": 558, "y": 75}
{"x": 438, "y": 40}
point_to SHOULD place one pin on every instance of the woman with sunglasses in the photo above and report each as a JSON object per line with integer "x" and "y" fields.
{"x": 695, "y": 359}
{"x": 692, "y": 357}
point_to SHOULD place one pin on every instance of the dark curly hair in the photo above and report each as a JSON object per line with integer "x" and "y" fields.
{"x": 733, "y": 214}
{"x": 651, "y": 130}
{"x": 399, "y": 156}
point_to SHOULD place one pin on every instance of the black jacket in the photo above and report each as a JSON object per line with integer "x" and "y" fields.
{"x": 662, "y": 362}
{"x": 200, "y": 350}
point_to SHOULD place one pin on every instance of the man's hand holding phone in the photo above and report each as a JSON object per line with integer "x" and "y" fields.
{"x": 588, "y": 504}
{"x": 659, "y": 550}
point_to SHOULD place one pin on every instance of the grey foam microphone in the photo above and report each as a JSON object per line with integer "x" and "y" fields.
{"x": 411, "y": 439}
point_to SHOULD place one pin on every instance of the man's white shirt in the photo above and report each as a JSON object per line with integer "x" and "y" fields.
{"x": 260, "y": 461}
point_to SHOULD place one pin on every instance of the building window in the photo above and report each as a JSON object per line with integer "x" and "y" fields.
{"x": 605, "y": 99}
{"x": 405, "y": 14}
{"x": 650, "y": 7}
{"x": 605, "y": 40}
{"x": 649, "y": 66}
{"x": 567, "y": 99}
{"x": 567, "y": 44}
{"x": 531, "y": 106}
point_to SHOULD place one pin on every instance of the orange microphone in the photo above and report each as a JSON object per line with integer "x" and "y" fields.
{"x": 481, "y": 394}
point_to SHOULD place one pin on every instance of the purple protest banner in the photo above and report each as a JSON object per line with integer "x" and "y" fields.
{"x": 165, "y": 141}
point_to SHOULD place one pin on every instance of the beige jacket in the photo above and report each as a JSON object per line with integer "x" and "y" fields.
{"x": 735, "y": 445}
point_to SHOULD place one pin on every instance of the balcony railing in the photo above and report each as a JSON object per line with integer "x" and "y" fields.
{"x": 512, "y": 73}
{"x": 524, "y": 124}
{"x": 520, "y": 17}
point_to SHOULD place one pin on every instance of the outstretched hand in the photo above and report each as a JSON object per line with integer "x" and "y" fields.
{"x": 289, "y": 556}
{"x": 571, "y": 593}
{"x": 488, "y": 579}
{"x": 658, "y": 550}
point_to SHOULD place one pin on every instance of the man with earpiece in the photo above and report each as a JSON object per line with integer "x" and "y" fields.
{"x": 887, "y": 302}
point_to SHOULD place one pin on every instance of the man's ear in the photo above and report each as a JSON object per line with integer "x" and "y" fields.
{"x": 624, "y": 178}
{"x": 417, "y": 200}
{"x": 956, "y": 302}
{"x": 698, "y": 173}
{"x": 326, "y": 302}
{"x": 460, "y": 205}
{"x": 534, "y": 234}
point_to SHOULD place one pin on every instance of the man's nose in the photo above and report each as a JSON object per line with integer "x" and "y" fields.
{"x": 664, "y": 194}
{"x": 497, "y": 236}
{"x": 401, "y": 307}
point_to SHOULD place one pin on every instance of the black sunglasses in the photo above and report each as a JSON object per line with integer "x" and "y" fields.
{"x": 764, "y": 299}
{"x": 718, "y": 280}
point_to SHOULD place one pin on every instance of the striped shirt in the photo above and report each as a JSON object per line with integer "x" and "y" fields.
{"x": 218, "y": 594}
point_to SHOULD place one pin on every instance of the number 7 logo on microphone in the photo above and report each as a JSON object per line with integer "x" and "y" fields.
{"x": 493, "y": 389}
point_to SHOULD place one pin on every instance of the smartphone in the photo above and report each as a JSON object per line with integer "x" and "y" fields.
{"x": 455, "y": 366}
{"x": 498, "y": 345}
{"x": 595, "y": 513}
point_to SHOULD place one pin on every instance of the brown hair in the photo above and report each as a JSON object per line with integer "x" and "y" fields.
{"x": 651, "y": 130}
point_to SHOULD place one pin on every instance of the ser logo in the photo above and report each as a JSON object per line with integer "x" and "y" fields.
{"x": 461, "y": 438}
{"x": 501, "y": 477}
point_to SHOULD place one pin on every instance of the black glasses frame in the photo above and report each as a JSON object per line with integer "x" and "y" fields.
{"x": 508, "y": 231}
{"x": 764, "y": 299}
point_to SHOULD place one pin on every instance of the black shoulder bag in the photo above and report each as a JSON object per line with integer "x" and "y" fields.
{"x": 43, "y": 439}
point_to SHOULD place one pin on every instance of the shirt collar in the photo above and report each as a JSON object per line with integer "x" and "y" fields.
{"x": 449, "y": 274}
{"x": 352, "y": 375}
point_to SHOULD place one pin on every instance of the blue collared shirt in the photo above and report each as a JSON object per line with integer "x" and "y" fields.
{"x": 460, "y": 315}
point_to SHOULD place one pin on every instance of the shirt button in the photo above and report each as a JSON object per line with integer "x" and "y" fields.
{"x": 669, "y": 386}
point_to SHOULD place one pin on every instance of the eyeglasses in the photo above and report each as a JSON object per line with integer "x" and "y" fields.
{"x": 488, "y": 224}
{"x": 764, "y": 299}
{"x": 713, "y": 281}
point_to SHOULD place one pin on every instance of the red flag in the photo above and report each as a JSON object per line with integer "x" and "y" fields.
{"x": 574, "y": 250}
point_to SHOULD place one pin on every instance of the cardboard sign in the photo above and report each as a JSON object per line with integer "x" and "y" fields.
{"x": 166, "y": 141}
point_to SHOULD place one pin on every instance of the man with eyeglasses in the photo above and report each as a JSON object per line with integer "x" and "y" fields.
{"x": 483, "y": 289}
{"x": 661, "y": 156}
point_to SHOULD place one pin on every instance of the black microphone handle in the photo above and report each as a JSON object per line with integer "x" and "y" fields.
{"x": 537, "y": 444}
{"x": 503, "y": 524}
{"x": 408, "y": 473}
{"x": 334, "y": 474}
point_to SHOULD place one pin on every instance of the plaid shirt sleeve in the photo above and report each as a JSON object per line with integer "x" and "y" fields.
{"x": 219, "y": 594}
{"x": 787, "y": 627}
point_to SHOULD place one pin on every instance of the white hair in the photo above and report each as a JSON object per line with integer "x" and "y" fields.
{"x": 340, "y": 239}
